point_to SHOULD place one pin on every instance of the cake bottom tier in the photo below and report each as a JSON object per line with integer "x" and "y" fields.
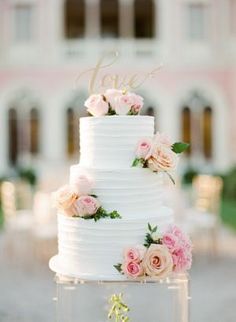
{"x": 89, "y": 250}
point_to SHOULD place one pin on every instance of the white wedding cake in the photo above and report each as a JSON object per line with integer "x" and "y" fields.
{"x": 108, "y": 205}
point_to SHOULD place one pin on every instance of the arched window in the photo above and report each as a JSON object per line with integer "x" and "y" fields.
{"x": 186, "y": 127}
{"x": 34, "y": 131}
{"x": 207, "y": 132}
{"x": 72, "y": 143}
{"x": 109, "y": 13}
{"x": 12, "y": 136}
{"x": 144, "y": 18}
{"x": 74, "y": 15}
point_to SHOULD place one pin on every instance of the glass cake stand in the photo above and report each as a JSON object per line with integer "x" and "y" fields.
{"x": 127, "y": 301}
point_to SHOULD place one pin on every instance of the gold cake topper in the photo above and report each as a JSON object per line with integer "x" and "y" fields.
{"x": 100, "y": 80}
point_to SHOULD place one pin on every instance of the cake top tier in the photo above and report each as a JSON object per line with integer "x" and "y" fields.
{"x": 110, "y": 141}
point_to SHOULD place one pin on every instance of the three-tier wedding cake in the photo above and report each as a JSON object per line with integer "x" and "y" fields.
{"x": 112, "y": 223}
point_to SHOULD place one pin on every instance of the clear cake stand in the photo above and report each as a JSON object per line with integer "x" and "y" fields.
{"x": 80, "y": 300}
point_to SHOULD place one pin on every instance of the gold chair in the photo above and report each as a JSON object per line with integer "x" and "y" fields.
{"x": 204, "y": 217}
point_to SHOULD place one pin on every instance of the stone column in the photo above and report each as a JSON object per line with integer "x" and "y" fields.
{"x": 126, "y": 18}
{"x": 3, "y": 140}
{"x": 92, "y": 18}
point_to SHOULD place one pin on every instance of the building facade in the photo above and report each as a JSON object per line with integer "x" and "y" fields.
{"x": 49, "y": 49}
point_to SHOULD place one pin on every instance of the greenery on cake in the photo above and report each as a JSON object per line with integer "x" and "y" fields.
{"x": 77, "y": 200}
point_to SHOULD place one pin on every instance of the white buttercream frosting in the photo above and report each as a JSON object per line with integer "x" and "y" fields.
{"x": 89, "y": 249}
{"x": 93, "y": 248}
{"x": 133, "y": 192}
{"x": 110, "y": 142}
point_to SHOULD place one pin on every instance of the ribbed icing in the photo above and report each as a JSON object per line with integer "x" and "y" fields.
{"x": 110, "y": 142}
{"x": 133, "y": 192}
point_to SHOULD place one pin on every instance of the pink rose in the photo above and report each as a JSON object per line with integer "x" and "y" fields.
{"x": 182, "y": 260}
{"x": 162, "y": 159}
{"x": 87, "y": 206}
{"x": 82, "y": 185}
{"x": 182, "y": 251}
{"x": 137, "y": 102}
{"x": 162, "y": 139}
{"x": 96, "y": 105}
{"x": 122, "y": 104}
{"x": 170, "y": 241}
{"x": 134, "y": 254}
{"x": 132, "y": 269}
{"x": 158, "y": 261}
{"x": 143, "y": 148}
{"x": 183, "y": 238}
{"x": 64, "y": 200}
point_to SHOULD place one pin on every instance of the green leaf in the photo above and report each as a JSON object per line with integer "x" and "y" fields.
{"x": 149, "y": 227}
{"x": 118, "y": 267}
{"x": 179, "y": 147}
{"x": 138, "y": 163}
{"x": 135, "y": 162}
{"x": 102, "y": 213}
{"x": 94, "y": 196}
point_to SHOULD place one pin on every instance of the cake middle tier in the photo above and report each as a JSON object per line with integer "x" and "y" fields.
{"x": 134, "y": 192}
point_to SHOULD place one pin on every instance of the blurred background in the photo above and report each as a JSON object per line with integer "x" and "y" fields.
{"x": 44, "y": 48}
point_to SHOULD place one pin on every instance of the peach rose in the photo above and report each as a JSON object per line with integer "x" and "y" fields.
{"x": 162, "y": 139}
{"x": 87, "y": 206}
{"x": 162, "y": 159}
{"x": 132, "y": 269}
{"x": 64, "y": 200}
{"x": 134, "y": 254}
{"x": 96, "y": 105}
{"x": 143, "y": 148}
{"x": 158, "y": 261}
{"x": 82, "y": 185}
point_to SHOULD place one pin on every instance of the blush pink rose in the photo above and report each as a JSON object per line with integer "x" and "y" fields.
{"x": 122, "y": 104}
{"x": 162, "y": 159}
{"x": 134, "y": 254}
{"x": 137, "y": 102}
{"x": 132, "y": 269}
{"x": 87, "y": 206}
{"x": 64, "y": 200}
{"x": 182, "y": 251}
{"x": 170, "y": 241}
{"x": 183, "y": 238}
{"x": 82, "y": 185}
{"x": 96, "y": 105}
{"x": 158, "y": 261}
{"x": 182, "y": 260}
{"x": 143, "y": 149}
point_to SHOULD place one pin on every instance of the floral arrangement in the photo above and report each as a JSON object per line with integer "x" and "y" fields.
{"x": 119, "y": 309}
{"x": 158, "y": 153}
{"x": 114, "y": 102}
{"x": 76, "y": 200}
{"x": 159, "y": 256}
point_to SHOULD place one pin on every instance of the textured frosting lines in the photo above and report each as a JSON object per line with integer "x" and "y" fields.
{"x": 93, "y": 248}
{"x": 134, "y": 192}
{"x": 110, "y": 142}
